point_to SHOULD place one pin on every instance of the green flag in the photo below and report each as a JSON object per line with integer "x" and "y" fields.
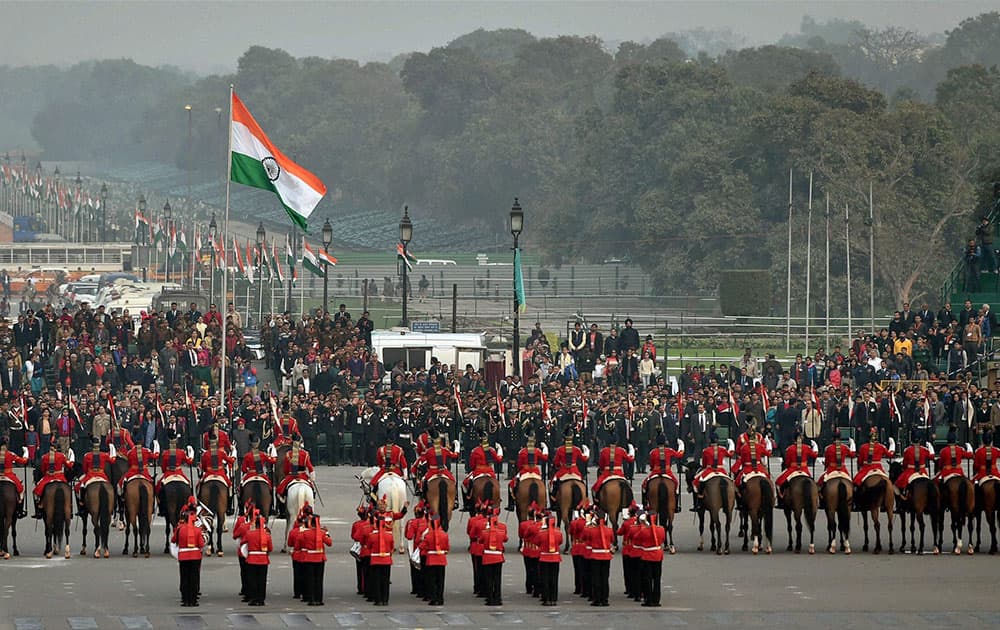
{"x": 519, "y": 281}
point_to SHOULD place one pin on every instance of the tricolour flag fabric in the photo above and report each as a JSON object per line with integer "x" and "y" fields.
{"x": 258, "y": 163}
{"x": 326, "y": 258}
{"x": 275, "y": 265}
{"x": 239, "y": 262}
{"x": 310, "y": 261}
{"x": 406, "y": 256}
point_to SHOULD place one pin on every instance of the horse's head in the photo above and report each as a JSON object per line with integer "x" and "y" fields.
{"x": 895, "y": 470}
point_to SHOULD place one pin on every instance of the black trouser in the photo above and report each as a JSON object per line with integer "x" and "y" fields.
{"x": 189, "y": 573}
{"x": 257, "y": 582}
{"x": 243, "y": 574}
{"x": 548, "y": 579}
{"x": 477, "y": 576}
{"x": 380, "y": 583}
{"x": 434, "y": 583}
{"x": 599, "y": 576}
{"x": 628, "y": 573}
{"x": 314, "y": 572}
{"x": 416, "y": 588}
{"x": 492, "y": 580}
{"x": 297, "y": 590}
{"x": 581, "y": 580}
{"x": 530, "y": 575}
{"x": 366, "y": 578}
{"x": 651, "y": 571}
{"x": 356, "y": 449}
{"x": 359, "y": 570}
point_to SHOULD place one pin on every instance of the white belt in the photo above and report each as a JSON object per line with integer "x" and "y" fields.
{"x": 381, "y": 555}
{"x": 648, "y": 548}
{"x": 436, "y": 553}
{"x": 257, "y": 553}
{"x": 314, "y": 550}
{"x": 601, "y": 550}
{"x": 492, "y": 553}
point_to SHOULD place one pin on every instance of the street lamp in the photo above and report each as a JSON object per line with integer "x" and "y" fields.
{"x": 166, "y": 219}
{"x": 213, "y": 230}
{"x": 327, "y": 239}
{"x": 54, "y": 213}
{"x": 38, "y": 207}
{"x": 405, "y": 236}
{"x": 261, "y": 239}
{"x": 516, "y": 226}
{"x": 79, "y": 186}
{"x": 104, "y": 213}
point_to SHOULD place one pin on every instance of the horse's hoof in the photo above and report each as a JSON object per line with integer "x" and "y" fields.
{"x": 107, "y": 554}
{"x": 97, "y": 554}
{"x": 48, "y": 555}
{"x": 220, "y": 554}
{"x": 768, "y": 550}
{"x": 864, "y": 547}
{"x": 812, "y": 549}
{"x": 135, "y": 554}
{"x": 789, "y": 547}
{"x": 937, "y": 552}
{"x": 67, "y": 555}
{"x": 146, "y": 555}
{"x": 16, "y": 553}
{"x": 6, "y": 556}
{"x": 701, "y": 547}
{"x": 718, "y": 551}
{"x": 832, "y": 550}
{"x": 726, "y": 552}
{"x": 83, "y": 551}
{"x": 673, "y": 550}
{"x": 970, "y": 550}
{"x": 847, "y": 550}
{"x": 957, "y": 551}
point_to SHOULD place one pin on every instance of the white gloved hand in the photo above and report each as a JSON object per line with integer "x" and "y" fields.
{"x": 190, "y": 452}
{"x": 112, "y": 451}
{"x": 71, "y": 456}
{"x": 24, "y": 452}
{"x": 545, "y": 449}
{"x": 586, "y": 451}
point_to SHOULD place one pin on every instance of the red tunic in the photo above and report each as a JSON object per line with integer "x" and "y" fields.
{"x": 526, "y": 531}
{"x": 171, "y": 465}
{"x": 599, "y": 538}
{"x": 189, "y": 540}
{"x": 549, "y": 540}
{"x": 528, "y": 460}
{"x": 254, "y": 466}
{"x": 437, "y": 459}
{"x": 796, "y": 460}
{"x": 713, "y": 462}
{"x": 474, "y": 530}
{"x": 435, "y": 546}
{"x": 949, "y": 461}
{"x": 259, "y": 546}
{"x": 311, "y": 543}
{"x": 139, "y": 458}
{"x": 493, "y": 537}
{"x": 54, "y": 467}
{"x": 751, "y": 460}
{"x": 94, "y": 467}
{"x": 297, "y": 467}
{"x": 380, "y": 545}
{"x": 870, "y": 456}
{"x": 288, "y": 428}
{"x": 661, "y": 461}
{"x": 649, "y": 542}
{"x": 626, "y": 531}
{"x": 215, "y": 463}
{"x": 578, "y": 546}
{"x": 225, "y": 444}
{"x": 389, "y": 458}
{"x": 835, "y": 458}
{"x": 7, "y": 469}
{"x": 915, "y": 460}
{"x": 565, "y": 461}
{"x": 985, "y": 463}
{"x": 359, "y": 533}
{"x": 122, "y": 441}
{"x": 609, "y": 464}
{"x": 481, "y": 461}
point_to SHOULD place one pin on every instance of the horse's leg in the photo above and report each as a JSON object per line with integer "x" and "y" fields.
{"x": 864, "y": 526}
{"x": 991, "y": 521}
{"x": 701, "y": 532}
{"x": 221, "y": 526}
{"x": 15, "y": 552}
{"x": 831, "y": 530}
{"x": 920, "y": 522}
{"x": 83, "y": 549}
{"x": 788, "y": 520}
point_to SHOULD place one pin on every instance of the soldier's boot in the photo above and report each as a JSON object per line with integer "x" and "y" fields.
{"x": 81, "y": 509}
{"x": 780, "y": 503}
{"x": 510, "y": 501}
{"x": 21, "y": 513}
{"x": 677, "y": 504}
{"x": 38, "y": 508}
{"x": 695, "y": 503}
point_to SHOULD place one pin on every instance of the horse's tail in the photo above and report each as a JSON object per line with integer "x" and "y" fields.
{"x": 724, "y": 494}
{"x": 767, "y": 507}
{"x": 442, "y": 503}
{"x": 661, "y": 503}
{"x": 213, "y": 498}
{"x": 59, "y": 517}
{"x": 488, "y": 489}
{"x": 575, "y": 497}
{"x": 533, "y": 493}
{"x": 143, "y": 507}
{"x": 103, "y": 509}
{"x": 963, "y": 497}
{"x": 843, "y": 506}
{"x": 933, "y": 497}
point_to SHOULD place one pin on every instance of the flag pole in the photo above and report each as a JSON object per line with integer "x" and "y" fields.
{"x": 225, "y": 269}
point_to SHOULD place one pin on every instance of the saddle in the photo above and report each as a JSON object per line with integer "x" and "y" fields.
{"x": 126, "y": 479}
{"x": 529, "y": 475}
{"x": 250, "y": 478}
{"x": 978, "y": 482}
{"x": 569, "y": 477}
{"x": 875, "y": 473}
{"x": 438, "y": 475}
{"x": 172, "y": 478}
{"x": 218, "y": 478}
{"x": 837, "y": 474}
{"x": 611, "y": 478}
{"x": 915, "y": 476}
{"x": 947, "y": 477}
{"x": 715, "y": 474}
{"x": 752, "y": 475}
{"x": 296, "y": 482}
{"x": 85, "y": 484}
{"x": 475, "y": 476}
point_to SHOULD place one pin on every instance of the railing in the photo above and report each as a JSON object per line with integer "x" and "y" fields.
{"x": 954, "y": 282}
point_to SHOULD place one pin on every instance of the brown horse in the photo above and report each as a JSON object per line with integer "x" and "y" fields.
{"x": 987, "y": 494}
{"x": 571, "y": 493}
{"x": 838, "y": 494}
{"x": 8, "y": 519}
{"x": 98, "y": 503}
{"x": 872, "y": 497}
{"x": 138, "y": 515}
{"x": 57, "y": 512}
{"x": 801, "y": 499}
{"x": 612, "y": 497}
{"x": 440, "y": 497}
{"x": 485, "y": 488}
{"x": 958, "y": 496}
{"x": 661, "y": 497}
{"x": 260, "y": 493}
{"x": 719, "y": 497}
{"x": 119, "y": 468}
{"x": 757, "y": 501}
{"x": 173, "y": 496}
{"x": 214, "y": 493}
{"x": 922, "y": 499}
{"x": 530, "y": 489}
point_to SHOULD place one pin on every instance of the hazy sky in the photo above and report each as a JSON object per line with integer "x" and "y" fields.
{"x": 206, "y": 36}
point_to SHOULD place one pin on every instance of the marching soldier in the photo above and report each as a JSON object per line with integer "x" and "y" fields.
{"x": 435, "y": 546}
{"x": 631, "y": 569}
{"x": 493, "y": 537}
{"x": 259, "y": 546}
{"x": 240, "y": 528}
{"x": 578, "y": 551}
{"x": 649, "y": 539}
{"x": 548, "y": 540}
{"x": 359, "y": 534}
{"x": 529, "y": 551}
{"x": 599, "y": 538}
{"x": 189, "y": 540}
{"x": 413, "y": 532}
{"x": 381, "y": 545}
{"x": 311, "y": 542}
{"x": 474, "y": 530}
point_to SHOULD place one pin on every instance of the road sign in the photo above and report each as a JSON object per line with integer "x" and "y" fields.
{"x": 427, "y": 326}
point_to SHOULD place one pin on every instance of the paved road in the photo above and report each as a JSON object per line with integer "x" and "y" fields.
{"x": 700, "y": 589}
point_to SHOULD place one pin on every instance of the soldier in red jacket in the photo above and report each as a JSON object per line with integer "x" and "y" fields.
{"x": 526, "y": 531}
{"x": 564, "y": 463}
{"x": 221, "y": 436}
{"x": 751, "y": 459}
{"x": 630, "y": 555}
{"x": 578, "y": 551}
{"x": 835, "y": 458}
{"x": 661, "y": 461}
{"x": 713, "y": 462}
{"x": 436, "y": 460}
{"x": 311, "y": 542}
{"x": 189, "y": 540}
{"x": 481, "y": 461}
{"x": 259, "y": 546}
{"x": 413, "y": 532}
{"x": 389, "y": 458}
{"x": 435, "y": 546}
{"x": 255, "y": 463}
{"x": 950, "y": 457}
{"x": 648, "y": 540}
{"x": 493, "y": 537}
{"x": 870, "y": 457}
{"x": 985, "y": 463}
{"x": 796, "y": 462}
{"x": 529, "y": 461}
{"x": 139, "y": 460}
{"x": 359, "y": 534}
{"x": 53, "y": 467}
{"x": 381, "y": 545}
{"x": 548, "y": 541}
{"x": 240, "y": 529}
{"x": 7, "y": 462}
{"x": 611, "y": 463}
{"x": 95, "y": 466}
{"x": 600, "y": 538}
{"x": 474, "y": 529}
{"x": 297, "y": 466}
{"x": 916, "y": 457}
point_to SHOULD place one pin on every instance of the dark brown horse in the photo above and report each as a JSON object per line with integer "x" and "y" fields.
{"x": 57, "y": 512}
{"x": 801, "y": 499}
{"x": 719, "y": 498}
{"x": 119, "y": 468}
{"x": 872, "y": 497}
{"x": 98, "y": 503}
{"x": 8, "y": 519}
{"x": 838, "y": 493}
{"x": 922, "y": 499}
{"x": 958, "y": 496}
{"x": 661, "y": 497}
{"x": 485, "y": 488}
{"x": 987, "y": 494}
{"x": 757, "y": 500}
{"x": 612, "y": 497}
{"x": 138, "y": 515}
{"x": 258, "y": 491}
{"x": 571, "y": 493}
{"x": 440, "y": 497}
{"x": 530, "y": 489}
{"x": 214, "y": 493}
{"x": 173, "y": 496}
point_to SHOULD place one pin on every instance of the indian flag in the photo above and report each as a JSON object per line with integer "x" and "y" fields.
{"x": 258, "y": 163}
{"x": 275, "y": 266}
{"x": 239, "y": 262}
{"x": 405, "y": 256}
{"x": 326, "y": 258}
{"x": 310, "y": 261}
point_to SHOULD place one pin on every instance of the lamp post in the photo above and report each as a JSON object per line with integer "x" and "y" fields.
{"x": 516, "y": 226}
{"x": 405, "y": 236}
{"x": 213, "y": 230}
{"x": 144, "y": 239}
{"x": 104, "y": 213}
{"x": 261, "y": 238}
{"x": 327, "y": 239}
{"x": 79, "y": 186}
{"x": 38, "y": 206}
{"x": 167, "y": 221}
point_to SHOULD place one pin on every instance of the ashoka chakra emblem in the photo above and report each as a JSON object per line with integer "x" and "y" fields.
{"x": 271, "y": 168}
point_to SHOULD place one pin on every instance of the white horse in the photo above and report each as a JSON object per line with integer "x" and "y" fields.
{"x": 393, "y": 488}
{"x": 299, "y": 493}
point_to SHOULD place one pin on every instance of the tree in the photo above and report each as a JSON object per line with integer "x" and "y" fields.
{"x": 774, "y": 67}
